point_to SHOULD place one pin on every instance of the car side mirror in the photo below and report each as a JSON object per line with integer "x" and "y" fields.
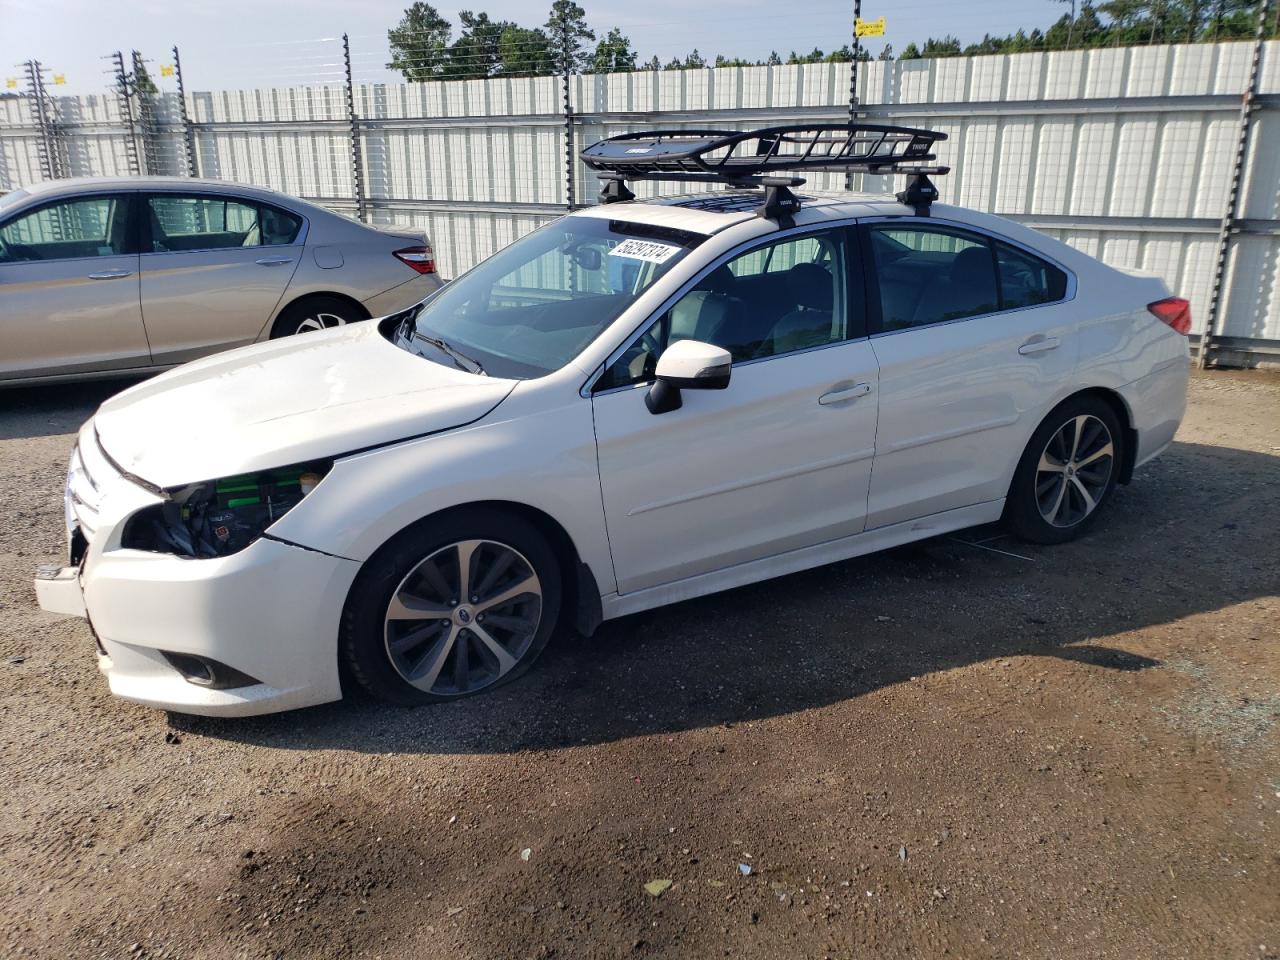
{"x": 687, "y": 365}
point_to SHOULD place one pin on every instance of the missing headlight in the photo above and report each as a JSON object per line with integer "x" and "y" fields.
{"x": 220, "y": 517}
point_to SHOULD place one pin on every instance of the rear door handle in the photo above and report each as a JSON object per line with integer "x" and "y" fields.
{"x": 1040, "y": 345}
{"x": 274, "y": 261}
{"x": 847, "y": 393}
{"x": 110, "y": 275}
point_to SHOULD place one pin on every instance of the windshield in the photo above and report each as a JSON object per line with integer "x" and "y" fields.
{"x": 534, "y": 306}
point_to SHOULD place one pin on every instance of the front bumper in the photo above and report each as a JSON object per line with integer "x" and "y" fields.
{"x": 270, "y": 611}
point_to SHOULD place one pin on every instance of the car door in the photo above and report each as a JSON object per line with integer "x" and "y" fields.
{"x": 214, "y": 267}
{"x": 974, "y": 336}
{"x": 779, "y": 460}
{"x": 69, "y": 289}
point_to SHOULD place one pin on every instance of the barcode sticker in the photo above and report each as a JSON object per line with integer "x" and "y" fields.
{"x": 646, "y": 250}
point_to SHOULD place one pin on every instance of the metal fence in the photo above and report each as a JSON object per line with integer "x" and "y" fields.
{"x": 1126, "y": 153}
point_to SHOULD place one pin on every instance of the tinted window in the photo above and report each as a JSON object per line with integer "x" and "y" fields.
{"x": 928, "y": 275}
{"x": 90, "y": 227}
{"x": 772, "y": 300}
{"x": 1026, "y": 280}
{"x": 213, "y": 223}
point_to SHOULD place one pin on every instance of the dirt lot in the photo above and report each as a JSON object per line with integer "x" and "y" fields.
{"x": 938, "y": 751}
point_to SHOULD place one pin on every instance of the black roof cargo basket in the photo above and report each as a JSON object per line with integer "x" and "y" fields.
{"x": 752, "y": 158}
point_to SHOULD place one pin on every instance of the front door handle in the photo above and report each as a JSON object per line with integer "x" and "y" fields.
{"x": 273, "y": 261}
{"x": 847, "y": 393}
{"x": 110, "y": 275}
{"x": 1038, "y": 345}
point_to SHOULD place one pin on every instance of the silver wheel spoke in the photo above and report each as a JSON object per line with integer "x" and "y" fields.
{"x": 1106, "y": 450}
{"x": 466, "y": 552}
{"x": 1081, "y": 422}
{"x": 1058, "y": 501}
{"x": 424, "y": 672}
{"x": 505, "y": 660}
{"x": 405, "y": 606}
{"x": 1089, "y": 503}
{"x": 414, "y": 637}
{"x": 1050, "y": 466}
{"x": 522, "y": 586}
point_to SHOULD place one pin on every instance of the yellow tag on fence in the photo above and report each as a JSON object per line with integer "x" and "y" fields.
{"x": 166, "y": 70}
{"x": 11, "y": 83}
{"x": 59, "y": 78}
{"x": 869, "y": 28}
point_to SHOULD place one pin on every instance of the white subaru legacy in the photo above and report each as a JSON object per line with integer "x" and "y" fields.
{"x": 639, "y": 403}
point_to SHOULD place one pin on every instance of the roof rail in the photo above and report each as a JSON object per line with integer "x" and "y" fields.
{"x": 751, "y": 158}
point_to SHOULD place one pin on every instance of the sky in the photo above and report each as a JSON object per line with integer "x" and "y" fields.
{"x": 228, "y": 44}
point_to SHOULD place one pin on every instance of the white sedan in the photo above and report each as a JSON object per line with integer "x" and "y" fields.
{"x": 639, "y": 403}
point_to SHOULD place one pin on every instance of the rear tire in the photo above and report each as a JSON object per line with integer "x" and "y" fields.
{"x": 312, "y": 314}
{"x": 1067, "y": 472}
{"x": 415, "y": 631}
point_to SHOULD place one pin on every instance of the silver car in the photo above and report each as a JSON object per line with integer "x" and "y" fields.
{"x": 104, "y": 277}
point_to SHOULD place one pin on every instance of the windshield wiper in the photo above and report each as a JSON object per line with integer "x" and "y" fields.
{"x": 460, "y": 359}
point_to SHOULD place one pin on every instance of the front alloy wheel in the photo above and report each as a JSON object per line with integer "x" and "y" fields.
{"x": 463, "y": 618}
{"x": 319, "y": 320}
{"x": 455, "y": 604}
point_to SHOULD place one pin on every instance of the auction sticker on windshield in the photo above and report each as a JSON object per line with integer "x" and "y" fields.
{"x": 646, "y": 250}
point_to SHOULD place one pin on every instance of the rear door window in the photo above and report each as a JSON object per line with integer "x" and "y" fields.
{"x": 927, "y": 274}
{"x": 70, "y": 230}
{"x": 208, "y": 222}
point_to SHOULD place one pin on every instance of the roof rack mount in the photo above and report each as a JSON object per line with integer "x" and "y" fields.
{"x": 752, "y": 158}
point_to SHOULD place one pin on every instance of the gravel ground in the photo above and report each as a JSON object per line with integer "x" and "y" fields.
{"x": 943, "y": 750}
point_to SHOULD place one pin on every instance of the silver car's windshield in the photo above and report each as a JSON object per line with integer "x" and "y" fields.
{"x": 531, "y": 308}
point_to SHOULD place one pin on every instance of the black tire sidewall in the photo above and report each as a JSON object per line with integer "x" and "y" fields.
{"x": 362, "y": 646}
{"x": 1022, "y": 512}
{"x": 286, "y": 324}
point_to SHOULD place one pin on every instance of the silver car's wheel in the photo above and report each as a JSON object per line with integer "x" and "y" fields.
{"x": 320, "y": 321}
{"x": 1074, "y": 472}
{"x": 463, "y": 617}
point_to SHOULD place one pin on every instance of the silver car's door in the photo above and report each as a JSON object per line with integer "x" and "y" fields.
{"x": 213, "y": 269}
{"x": 69, "y": 289}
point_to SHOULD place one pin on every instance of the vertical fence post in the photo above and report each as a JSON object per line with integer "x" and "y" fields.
{"x": 124, "y": 96}
{"x": 566, "y": 68}
{"x": 143, "y": 86}
{"x": 1231, "y": 216}
{"x": 40, "y": 117}
{"x": 188, "y": 138}
{"x": 853, "y": 81}
{"x": 357, "y": 163}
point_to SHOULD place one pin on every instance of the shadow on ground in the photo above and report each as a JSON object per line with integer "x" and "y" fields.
{"x": 815, "y": 638}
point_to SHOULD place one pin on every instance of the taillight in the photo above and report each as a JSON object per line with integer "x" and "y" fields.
{"x": 420, "y": 258}
{"x": 1174, "y": 311}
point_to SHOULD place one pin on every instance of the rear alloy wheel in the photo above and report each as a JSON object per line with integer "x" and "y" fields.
{"x": 452, "y": 607}
{"x": 313, "y": 314}
{"x": 1067, "y": 472}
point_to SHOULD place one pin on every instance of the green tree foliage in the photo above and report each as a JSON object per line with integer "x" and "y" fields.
{"x": 614, "y": 54}
{"x": 420, "y": 43}
{"x": 476, "y": 54}
{"x": 526, "y": 53}
{"x": 567, "y": 28}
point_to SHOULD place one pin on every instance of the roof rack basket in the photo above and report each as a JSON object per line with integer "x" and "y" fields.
{"x": 753, "y": 158}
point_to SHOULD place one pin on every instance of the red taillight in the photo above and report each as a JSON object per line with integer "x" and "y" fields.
{"x": 1174, "y": 311}
{"x": 420, "y": 258}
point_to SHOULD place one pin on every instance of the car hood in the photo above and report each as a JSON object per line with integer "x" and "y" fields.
{"x": 287, "y": 401}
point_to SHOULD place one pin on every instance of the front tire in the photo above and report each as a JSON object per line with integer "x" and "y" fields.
{"x": 1067, "y": 472}
{"x": 451, "y": 607}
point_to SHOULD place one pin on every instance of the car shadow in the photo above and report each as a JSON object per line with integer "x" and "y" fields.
{"x": 27, "y": 412}
{"x": 1167, "y": 548}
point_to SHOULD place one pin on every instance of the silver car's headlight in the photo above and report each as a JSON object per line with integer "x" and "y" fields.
{"x": 217, "y": 518}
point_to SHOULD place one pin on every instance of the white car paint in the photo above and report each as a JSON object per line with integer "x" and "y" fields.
{"x": 805, "y": 459}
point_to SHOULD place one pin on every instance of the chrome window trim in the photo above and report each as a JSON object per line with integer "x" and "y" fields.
{"x": 298, "y": 241}
{"x": 746, "y": 247}
{"x": 961, "y": 226}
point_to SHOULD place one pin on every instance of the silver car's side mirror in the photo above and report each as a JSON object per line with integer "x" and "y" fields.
{"x": 687, "y": 365}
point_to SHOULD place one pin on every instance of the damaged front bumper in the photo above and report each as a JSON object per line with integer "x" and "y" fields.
{"x": 252, "y": 632}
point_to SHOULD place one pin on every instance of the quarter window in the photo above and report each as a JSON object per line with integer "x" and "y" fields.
{"x": 91, "y": 227}
{"x": 214, "y": 223}
{"x": 772, "y": 300}
{"x": 1026, "y": 280}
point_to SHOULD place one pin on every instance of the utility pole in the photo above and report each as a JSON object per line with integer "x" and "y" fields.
{"x": 1071, "y": 27}
{"x": 40, "y": 116}
{"x": 566, "y": 65}
{"x": 357, "y": 163}
{"x": 124, "y": 96}
{"x": 188, "y": 139}
{"x": 853, "y": 82}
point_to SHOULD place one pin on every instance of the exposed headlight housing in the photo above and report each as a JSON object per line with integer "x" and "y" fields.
{"x": 217, "y": 518}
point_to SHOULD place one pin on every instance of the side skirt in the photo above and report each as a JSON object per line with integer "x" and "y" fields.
{"x": 806, "y": 558}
